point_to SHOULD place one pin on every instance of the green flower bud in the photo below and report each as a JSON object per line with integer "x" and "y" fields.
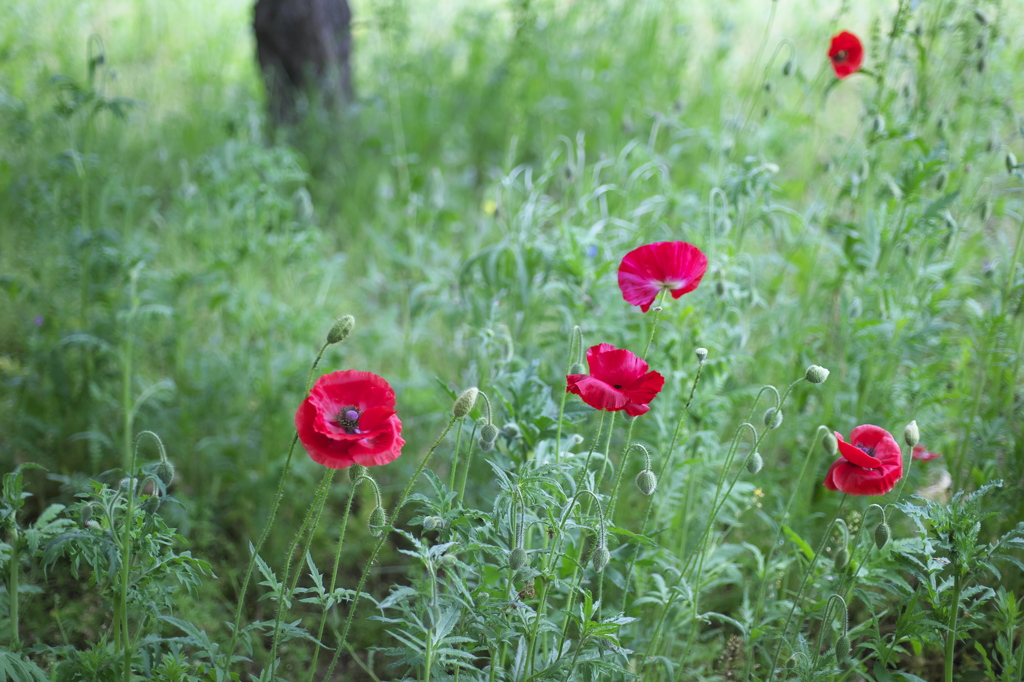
{"x": 577, "y": 368}
{"x": 878, "y": 124}
{"x": 767, "y": 86}
{"x": 465, "y": 402}
{"x": 449, "y": 560}
{"x": 755, "y": 462}
{"x": 489, "y": 433}
{"x": 816, "y": 374}
{"x": 600, "y": 558}
{"x": 911, "y": 434}
{"x": 341, "y": 329}
{"x": 882, "y": 534}
{"x": 485, "y": 445}
{"x": 355, "y": 471}
{"x": 787, "y": 68}
{"x": 1011, "y": 162}
{"x": 842, "y": 559}
{"x": 86, "y": 514}
{"x": 647, "y": 482}
{"x": 981, "y": 17}
{"x": 986, "y": 210}
{"x": 151, "y": 504}
{"x": 842, "y": 649}
{"x": 165, "y": 472}
{"x": 772, "y": 418}
{"x": 940, "y": 180}
{"x": 511, "y": 431}
{"x": 982, "y": 64}
{"x": 378, "y": 522}
{"x": 702, "y": 354}
{"x": 829, "y": 442}
{"x": 432, "y": 523}
{"x": 517, "y": 558}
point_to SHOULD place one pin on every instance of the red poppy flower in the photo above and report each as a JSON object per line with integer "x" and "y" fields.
{"x": 919, "y": 452}
{"x": 349, "y": 418}
{"x": 846, "y": 54}
{"x": 648, "y": 270}
{"x": 871, "y": 462}
{"x": 618, "y": 380}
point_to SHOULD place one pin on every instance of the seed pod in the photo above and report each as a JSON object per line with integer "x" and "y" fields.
{"x": 911, "y": 434}
{"x": 702, "y": 354}
{"x": 517, "y": 558}
{"x": 378, "y": 521}
{"x": 647, "y": 482}
{"x": 882, "y": 534}
{"x": 816, "y": 374}
{"x": 842, "y": 649}
{"x": 772, "y": 418}
{"x": 829, "y": 442}
{"x": 465, "y": 402}
{"x": 600, "y": 558}
{"x": 755, "y": 463}
{"x": 341, "y": 329}
{"x": 842, "y": 559}
{"x": 165, "y": 472}
{"x": 489, "y": 433}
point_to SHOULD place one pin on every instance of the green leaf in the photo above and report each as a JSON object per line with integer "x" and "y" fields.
{"x": 799, "y": 541}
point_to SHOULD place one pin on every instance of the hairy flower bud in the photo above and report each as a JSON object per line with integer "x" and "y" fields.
{"x": 1011, "y": 162}
{"x": 355, "y": 471}
{"x": 577, "y": 368}
{"x": 816, "y": 374}
{"x": 165, "y": 472}
{"x": 772, "y": 418}
{"x": 647, "y": 482}
{"x": 378, "y": 520}
{"x": 511, "y": 431}
{"x": 911, "y": 434}
{"x": 449, "y": 560}
{"x": 842, "y": 559}
{"x": 465, "y": 402}
{"x": 702, "y": 354}
{"x": 86, "y": 514}
{"x": 341, "y": 329}
{"x": 882, "y": 534}
{"x": 842, "y": 649}
{"x": 941, "y": 180}
{"x": 432, "y": 523}
{"x": 151, "y": 505}
{"x": 600, "y": 558}
{"x": 485, "y": 445}
{"x": 981, "y": 17}
{"x": 755, "y": 462}
{"x": 829, "y": 442}
{"x": 787, "y": 68}
{"x": 517, "y": 558}
{"x": 489, "y": 433}
{"x": 878, "y": 124}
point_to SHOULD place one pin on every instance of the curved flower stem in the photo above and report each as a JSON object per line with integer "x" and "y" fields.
{"x": 455, "y": 459}
{"x": 266, "y": 529}
{"x": 654, "y": 324}
{"x": 380, "y": 543}
{"x": 803, "y": 584}
{"x": 575, "y": 343}
{"x": 467, "y": 465}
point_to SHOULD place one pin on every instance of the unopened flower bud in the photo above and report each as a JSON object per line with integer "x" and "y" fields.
{"x": 702, "y": 354}
{"x": 485, "y": 445}
{"x": 465, "y": 402}
{"x": 842, "y": 649}
{"x": 600, "y": 558}
{"x": 125, "y": 483}
{"x": 511, "y": 431}
{"x": 981, "y": 17}
{"x": 151, "y": 505}
{"x": 341, "y": 329}
{"x": 816, "y": 374}
{"x": 787, "y": 68}
{"x": 982, "y": 64}
{"x": 755, "y": 463}
{"x": 378, "y": 520}
{"x": 882, "y": 534}
{"x": 431, "y": 523}
{"x": 986, "y": 210}
{"x": 355, "y": 471}
{"x": 878, "y": 124}
{"x": 517, "y": 558}
{"x": 772, "y": 418}
{"x": 829, "y": 442}
{"x": 86, "y": 514}
{"x": 449, "y": 560}
{"x": 165, "y": 472}
{"x": 911, "y": 434}
{"x": 767, "y": 86}
{"x": 842, "y": 559}
{"x": 577, "y": 368}
{"x": 647, "y": 482}
{"x": 489, "y": 433}
{"x": 940, "y": 180}
{"x": 720, "y": 287}
{"x": 1011, "y": 162}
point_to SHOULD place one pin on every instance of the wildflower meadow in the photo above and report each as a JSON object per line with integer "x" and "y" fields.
{"x": 590, "y": 340}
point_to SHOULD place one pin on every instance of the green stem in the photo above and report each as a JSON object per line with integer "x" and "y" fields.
{"x": 951, "y": 635}
{"x": 575, "y": 343}
{"x": 803, "y": 584}
{"x": 379, "y": 545}
{"x": 466, "y": 467}
{"x": 455, "y": 459}
{"x": 12, "y": 588}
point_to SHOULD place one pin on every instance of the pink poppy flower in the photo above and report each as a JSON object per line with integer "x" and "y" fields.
{"x": 349, "y": 418}
{"x": 648, "y": 270}
{"x": 919, "y": 452}
{"x": 618, "y": 380}
{"x": 871, "y": 462}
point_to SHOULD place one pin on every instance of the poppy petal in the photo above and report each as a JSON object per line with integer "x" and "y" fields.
{"x": 647, "y": 270}
{"x": 855, "y": 455}
{"x": 595, "y": 392}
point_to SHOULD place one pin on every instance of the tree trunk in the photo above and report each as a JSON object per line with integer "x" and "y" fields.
{"x": 303, "y": 47}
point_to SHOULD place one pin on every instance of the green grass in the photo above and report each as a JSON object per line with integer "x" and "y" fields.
{"x": 470, "y": 209}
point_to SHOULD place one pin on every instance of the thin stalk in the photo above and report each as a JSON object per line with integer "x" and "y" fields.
{"x": 468, "y": 465}
{"x": 379, "y": 545}
{"x": 575, "y": 343}
{"x": 12, "y": 589}
{"x": 951, "y": 635}
{"x": 455, "y": 459}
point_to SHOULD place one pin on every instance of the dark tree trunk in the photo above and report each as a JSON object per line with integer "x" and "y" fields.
{"x": 303, "y": 48}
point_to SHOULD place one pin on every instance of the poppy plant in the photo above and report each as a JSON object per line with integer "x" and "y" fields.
{"x": 846, "y": 54}
{"x": 618, "y": 380}
{"x": 922, "y": 453}
{"x": 648, "y": 270}
{"x": 870, "y": 464}
{"x": 349, "y": 418}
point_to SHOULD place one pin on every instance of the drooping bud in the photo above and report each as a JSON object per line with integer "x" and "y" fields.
{"x": 489, "y": 433}
{"x": 772, "y": 418}
{"x": 911, "y": 434}
{"x": 882, "y": 534}
{"x": 755, "y": 463}
{"x": 517, "y": 558}
{"x": 878, "y": 124}
{"x": 816, "y": 374}
{"x": 981, "y": 17}
{"x": 449, "y": 560}
{"x": 702, "y": 354}
{"x": 986, "y": 210}
{"x": 355, "y": 471}
{"x": 787, "y": 68}
{"x": 341, "y": 329}
{"x": 1011, "y": 162}
{"x": 842, "y": 649}
{"x": 511, "y": 431}
{"x": 165, "y": 472}
{"x": 378, "y": 521}
{"x": 600, "y": 558}
{"x": 485, "y": 445}
{"x": 577, "y": 368}
{"x": 940, "y": 180}
{"x": 151, "y": 505}
{"x": 842, "y": 558}
{"x": 829, "y": 442}
{"x": 647, "y": 482}
{"x": 465, "y": 402}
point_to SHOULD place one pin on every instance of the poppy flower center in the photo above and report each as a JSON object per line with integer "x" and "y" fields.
{"x": 840, "y": 56}
{"x": 348, "y": 419}
{"x": 617, "y": 386}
